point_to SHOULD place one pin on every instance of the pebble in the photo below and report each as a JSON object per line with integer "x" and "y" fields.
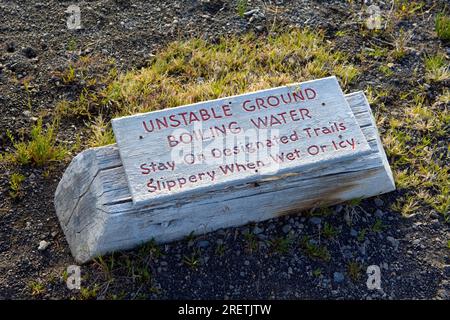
{"x": 338, "y": 277}
{"x": 353, "y": 233}
{"x": 378, "y": 202}
{"x": 315, "y": 220}
{"x": 394, "y": 242}
{"x": 43, "y": 245}
{"x": 286, "y": 228}
{"x": 203, "y": 244}
{"x": 251, "y": 12}
{"x": 378, "y": 213}
{"x": 257, "y": 230}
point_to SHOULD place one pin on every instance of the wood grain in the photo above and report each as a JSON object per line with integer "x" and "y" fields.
{"x": 291, "y": 115}
{"x": 96, "y": 212}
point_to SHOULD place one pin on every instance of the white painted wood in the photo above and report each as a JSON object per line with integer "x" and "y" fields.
{"x": 296, "y": 110}
{"x": 96, "y": 212}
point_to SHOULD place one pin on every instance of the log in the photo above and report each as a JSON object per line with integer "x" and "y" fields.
{"x": 96, "y": 212}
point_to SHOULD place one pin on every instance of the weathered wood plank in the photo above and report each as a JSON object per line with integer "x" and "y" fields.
{"x": 153, "y": 145}
{"x": 96, "y": 212}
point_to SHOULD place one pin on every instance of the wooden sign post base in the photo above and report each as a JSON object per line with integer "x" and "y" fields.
{"x": 96, "y": 212}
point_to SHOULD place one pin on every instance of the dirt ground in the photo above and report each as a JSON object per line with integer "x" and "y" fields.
{"x": 254, "y": 261}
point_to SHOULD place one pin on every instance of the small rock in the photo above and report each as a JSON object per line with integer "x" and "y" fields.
{"x": 286, "y": 228}
{"x": 447, "y": 271}
{"x": 353, "y": 233}
{"x": 315, "y": 220}
{"x": 251, "y": 12}
{"x": 43, "y": 245}
{"x": 257, "y": 230}
{"x": 203, "y": 244}
{"x": 338, "y": 277}
{"x": 379, "y": 214}
{"x": 246, "y": 262}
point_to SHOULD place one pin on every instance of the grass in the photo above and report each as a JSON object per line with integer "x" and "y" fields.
{"x": 102, "y": 133}
{"x": 354, "y": 270}
{"x": 69, "y": 75}
{"x": 378, "y": 226}
{"x": 87, "y": 293}
{"x": 362, "y": 235}
{"x": 39, "y": 150}
{"x": 388, "y": 72}
{"x": 315, "y": 251}
{"x": 407, "y": 8}
{"x": 220, "y": 249}
{"x": 26, "y": 86}
{"x": 317, "y": 272}
{"x": 15, "y": 184}
{"x": 194, "y": 70}
{"x": 151, "y": 249}
{"x": 436, "y": 68}
{"x": 442, "y": 26}
{"x": 329, "y": 231}
{"x": 36, "y": 288}
{"x": 281, "y": 245}
{"x": 241, "y": 7}
{"x": 320, "y": 212}
{"x": 412, "y": 139}
{"x": 400, "y": 44}
{"x": 192, "y": 261}
{"x": 251, "y": 242}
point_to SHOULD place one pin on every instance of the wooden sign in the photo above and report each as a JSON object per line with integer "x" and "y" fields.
{"x": 96, "y": 212}
{"x": 210, "y": 145}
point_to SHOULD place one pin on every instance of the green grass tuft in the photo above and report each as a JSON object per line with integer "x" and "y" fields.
{"x": 15, "y": 184}
{"x": 442, "y": 26}
{"x": 39, "y": 150}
